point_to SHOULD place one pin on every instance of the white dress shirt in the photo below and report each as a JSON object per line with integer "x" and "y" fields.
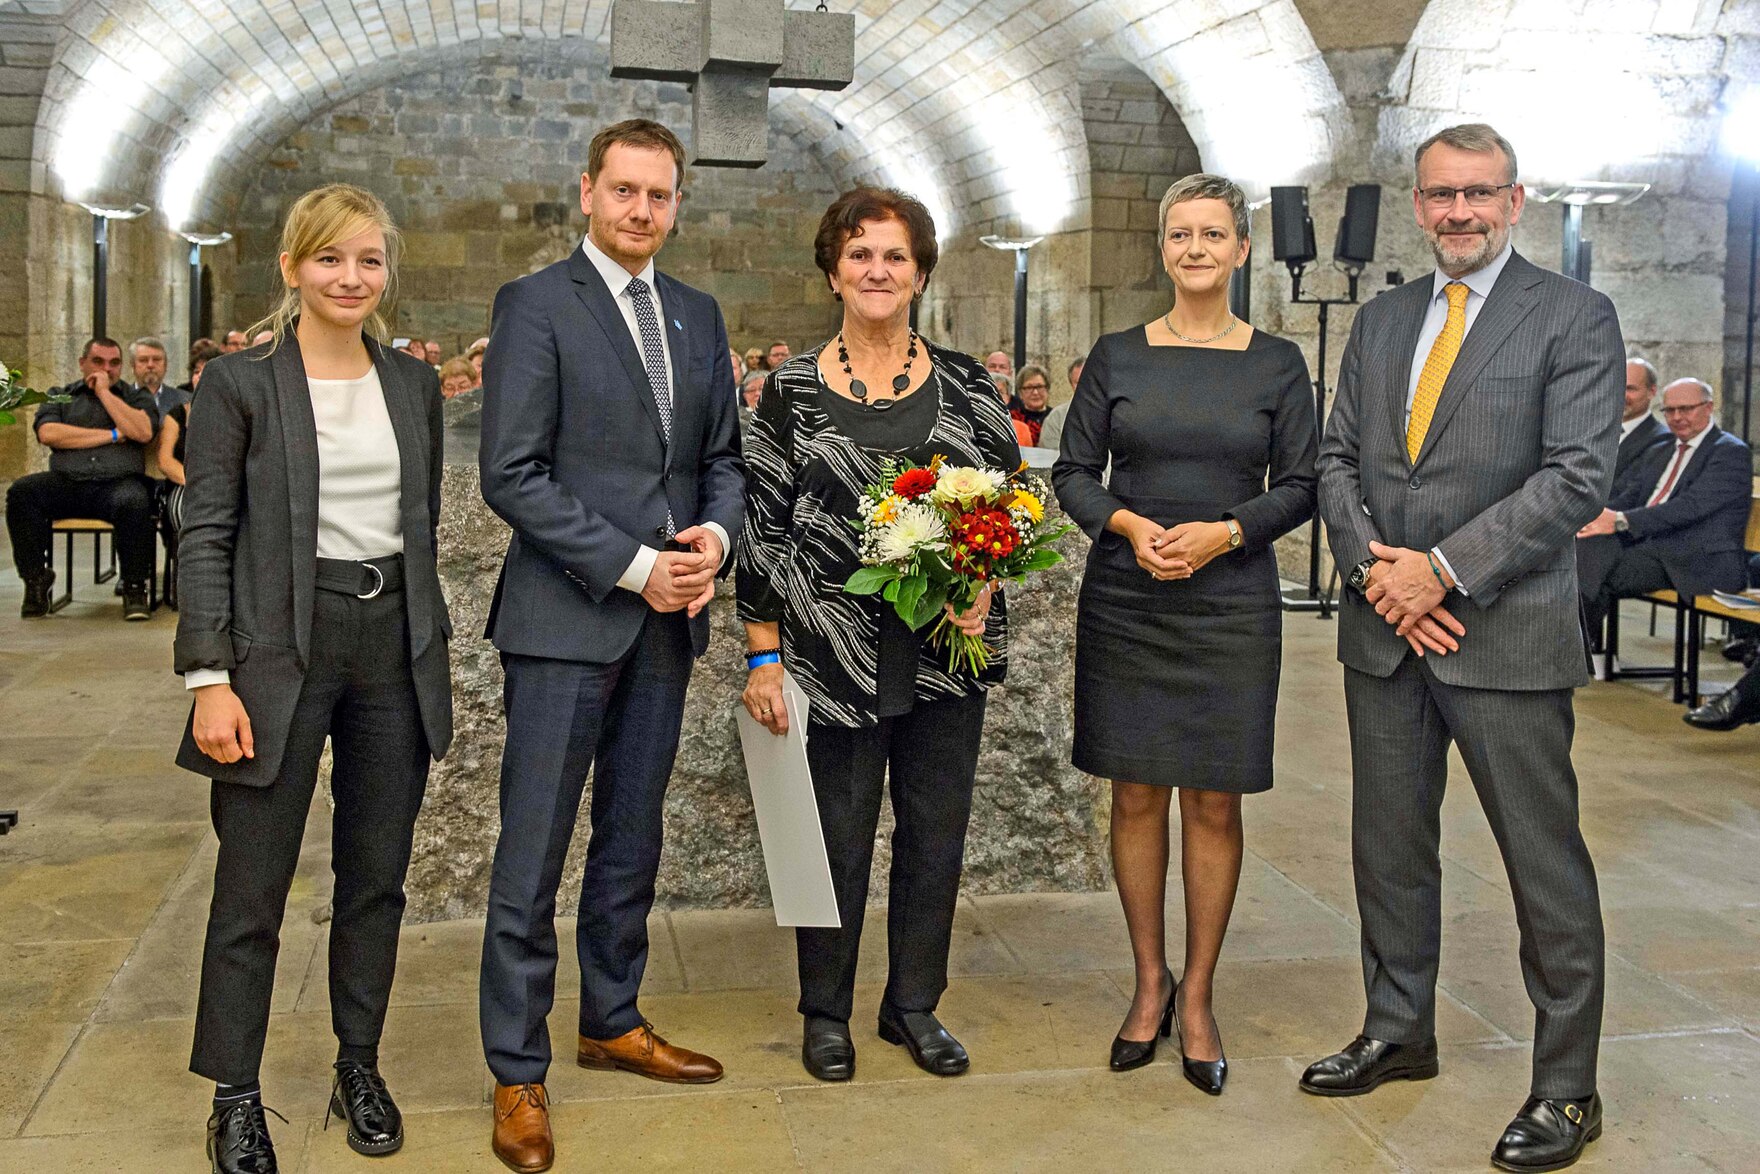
{"x": 1478, "y": 283}
{"x": 1675, "y": 457}
{"x": 617, "y": 280}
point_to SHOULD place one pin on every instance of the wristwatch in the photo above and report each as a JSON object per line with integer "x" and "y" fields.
{"x": 1234, "y": 533}
{"x": 1359, "y": 579}
{"x": 1620, "y": 525}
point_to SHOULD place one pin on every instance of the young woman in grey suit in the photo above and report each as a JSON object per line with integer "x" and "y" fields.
{"x": 311, "y": 608}
{"x": 1209, "y": 428}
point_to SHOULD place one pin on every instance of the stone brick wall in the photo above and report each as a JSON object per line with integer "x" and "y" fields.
{"x": 480, "y": 165}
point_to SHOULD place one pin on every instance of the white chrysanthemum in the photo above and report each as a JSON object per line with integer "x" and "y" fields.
{"x": 964, "y": 485}
{"x": 917, "y": 527}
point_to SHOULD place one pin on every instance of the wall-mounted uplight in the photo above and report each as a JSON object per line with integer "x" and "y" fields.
{"x": 1573, "y": 197}
{"x": 104, "y": 209}
{"x": 1018, "y": 246}
{"x": 199, "y": 239}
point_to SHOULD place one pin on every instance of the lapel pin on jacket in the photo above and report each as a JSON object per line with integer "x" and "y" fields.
{"x": 677, "y": 325}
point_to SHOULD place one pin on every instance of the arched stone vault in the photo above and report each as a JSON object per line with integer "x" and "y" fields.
{"x": 974, "y": 103}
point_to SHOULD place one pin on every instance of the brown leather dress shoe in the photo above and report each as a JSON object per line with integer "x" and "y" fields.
{"x": 522, "y": 1127}
{"x": 646, "y": 1054}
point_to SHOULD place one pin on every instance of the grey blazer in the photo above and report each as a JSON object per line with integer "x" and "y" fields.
{"x": 248, "y": 551}
{"x": 1519, "y": 455}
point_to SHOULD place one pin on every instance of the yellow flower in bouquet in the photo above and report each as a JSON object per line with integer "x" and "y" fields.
{"x": 1025, "y": 505}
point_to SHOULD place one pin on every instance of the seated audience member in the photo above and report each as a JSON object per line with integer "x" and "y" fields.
{"x": 416, "y": 347}
{"x": 97, "y": 467}
{"x": 1678, "y": 518}
{"x": 188, "y": 385}
{"x": 1032, "y": 400}
{"x": 173, "y": 431}
{"x": 263, "y": 336}
{"x": 1051, "y": 432}
{"x": 475, "y": 354}
{"x": 754, "y": 358}
{"x": 998, "y": 363}
{"x": 147, "y": 357}
{"x": 738, "y": 365}
{"x": 431, "y": 354}
{"x": 234, "y": 341}
{"x": 750, "y": 388}
{"x": 201, "y": 354}
{"x": 1005, "y": 389}
{"x": 777, "y": 355}
{"x": 1737, "y": 707}
{"x": 1639, "y": 428}
{"x": 456, "y": 378}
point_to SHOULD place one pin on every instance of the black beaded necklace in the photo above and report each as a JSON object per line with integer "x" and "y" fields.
{"x": 860, "y": 390}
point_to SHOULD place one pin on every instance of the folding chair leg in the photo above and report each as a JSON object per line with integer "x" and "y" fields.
{"x": 1686, "y": 652}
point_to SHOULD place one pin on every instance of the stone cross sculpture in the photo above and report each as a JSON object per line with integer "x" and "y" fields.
{"x": 731, "y": 53}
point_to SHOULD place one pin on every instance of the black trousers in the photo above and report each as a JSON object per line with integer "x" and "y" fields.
{"x": 1517, "y": 750}
{"x": 358, "y": 691}
{"x": 931, "y": 754}
{"x": 621, "y": 720}
{"x": 1622, "y": 574}
{"x": 36, "y": 502}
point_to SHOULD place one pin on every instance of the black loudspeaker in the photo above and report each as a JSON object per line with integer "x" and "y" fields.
{"x": 1292, "y": 231}
{"x": 1356, "y": 229}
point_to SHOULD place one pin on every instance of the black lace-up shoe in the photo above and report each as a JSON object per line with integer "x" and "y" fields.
{"x": 238, "y": 1139}
{"x": 359, "y": 1097}
{"x": 37, "y": 592}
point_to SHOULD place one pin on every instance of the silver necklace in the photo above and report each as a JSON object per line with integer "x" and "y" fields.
{"x": 1168, "y": 322}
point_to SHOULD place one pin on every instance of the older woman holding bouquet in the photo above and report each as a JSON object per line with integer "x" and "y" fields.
{"x": 832, "y": 423}
{"x": 1209, "y": 428}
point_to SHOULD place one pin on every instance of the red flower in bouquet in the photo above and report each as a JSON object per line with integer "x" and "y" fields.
{"x": 913, "y": 483}
{"x": 980, "y": 538}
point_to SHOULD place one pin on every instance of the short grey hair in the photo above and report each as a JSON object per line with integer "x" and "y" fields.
{"x": 148, "y": 342}
{"x": 760, "y": 375}
{"x": 1468, "y": 136}
{"x": 1202, "y": 185}
{"x": 1650, "y": 377}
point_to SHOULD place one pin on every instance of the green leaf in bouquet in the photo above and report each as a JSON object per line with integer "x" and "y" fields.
{"x": 910, "y": 594}
{"x": 868, "y": 580}
{"x": 1039, "y": 560}
{"x": 928, "y": 607}
{"x": 7, "y": 418}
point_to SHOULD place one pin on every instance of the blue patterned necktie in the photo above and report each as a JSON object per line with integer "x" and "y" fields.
{"x": 654, "y": 360}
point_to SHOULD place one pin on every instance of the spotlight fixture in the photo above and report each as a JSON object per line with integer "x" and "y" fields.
{"x": 105, "y": 208}
{"x": 1573, "y": 197}
{"x": 199, "y": 239}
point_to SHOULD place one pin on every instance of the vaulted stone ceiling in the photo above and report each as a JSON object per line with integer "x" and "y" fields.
{"x": 973, "y": 103}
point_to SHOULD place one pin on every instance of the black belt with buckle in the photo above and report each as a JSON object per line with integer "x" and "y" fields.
{"x": 363, "y": 580}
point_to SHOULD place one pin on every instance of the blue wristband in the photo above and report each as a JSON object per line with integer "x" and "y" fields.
{"x": 763, "y": 658}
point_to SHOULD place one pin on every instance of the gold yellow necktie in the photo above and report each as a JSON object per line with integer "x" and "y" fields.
{"x": 1436, "y": 368}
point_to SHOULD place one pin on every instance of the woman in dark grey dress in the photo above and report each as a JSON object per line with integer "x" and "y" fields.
{"x": 1209, "y": 428}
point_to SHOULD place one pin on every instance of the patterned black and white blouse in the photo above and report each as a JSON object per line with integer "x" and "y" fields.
{"x": 804, "y": 478}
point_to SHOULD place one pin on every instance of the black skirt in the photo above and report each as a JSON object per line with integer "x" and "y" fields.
{"x": 1176, "y": 682}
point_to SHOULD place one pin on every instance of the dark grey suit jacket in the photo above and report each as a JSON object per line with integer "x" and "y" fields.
{"x": 574, "y": 456}
{"x": 1649, "y": 432}
{"x": 248, "y": 551}
{"x": 1519, "y": 455}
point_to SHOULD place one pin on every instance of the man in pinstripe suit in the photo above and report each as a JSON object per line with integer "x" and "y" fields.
{"x": 1474, "y": 432}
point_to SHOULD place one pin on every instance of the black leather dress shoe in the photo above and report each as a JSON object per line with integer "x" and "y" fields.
{"x": 38, "y": 592}
{"x": 1365, "y": 1063}
{"x": 827, "y": 1052}
{"x": 1726, "y": 711}
{"x": 1548, "y": 1135}
{"x": 931, "y": 1045}
{"x": 359, "y": 1097}
{"x": 1134, "y": 1053}
{"x": 1743, "y": 650}
{"x": 238, "y": 1139}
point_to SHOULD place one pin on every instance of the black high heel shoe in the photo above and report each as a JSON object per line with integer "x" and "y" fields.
{"x": 1208, "y": 1075}
{"x": 1134, "y": 1053}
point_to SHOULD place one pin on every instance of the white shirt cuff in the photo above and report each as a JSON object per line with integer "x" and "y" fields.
{"x": 1441, "y": 558}
{"x": 196, "y": 678}
{"x": 640, "y": 567}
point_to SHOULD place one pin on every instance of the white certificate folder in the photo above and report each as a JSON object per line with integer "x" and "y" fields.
{"x": 788, "y": 816}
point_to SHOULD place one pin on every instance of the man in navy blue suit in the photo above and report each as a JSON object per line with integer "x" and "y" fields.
{"x": 611, "y": 447}
{"x": 1679, "y": 513}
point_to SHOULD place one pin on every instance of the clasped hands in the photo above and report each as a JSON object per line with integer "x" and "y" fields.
{"x": 1174, "y": 552}
{"x": 1408, "y": 594}
{"x": 684, "y": 580}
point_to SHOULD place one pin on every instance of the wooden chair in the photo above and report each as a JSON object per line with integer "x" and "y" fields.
{"x": 1709, "y": 607}
{"x": 71, "y": 528}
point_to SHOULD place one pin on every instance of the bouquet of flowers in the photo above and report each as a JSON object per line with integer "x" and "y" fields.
{"x": 14, "y": 394}
{"x": 938, "y": 535}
